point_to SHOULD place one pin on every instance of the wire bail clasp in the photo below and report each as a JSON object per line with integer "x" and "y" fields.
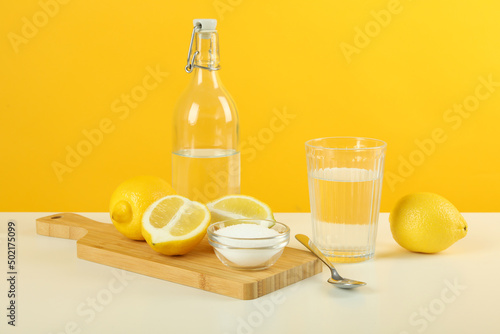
{"x": 190, "y": 60}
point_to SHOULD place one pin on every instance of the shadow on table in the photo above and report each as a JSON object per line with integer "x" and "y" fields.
{"x": 395, "y": 252}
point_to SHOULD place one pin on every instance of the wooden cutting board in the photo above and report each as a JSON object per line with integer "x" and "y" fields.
{"x": 102, "y": 243}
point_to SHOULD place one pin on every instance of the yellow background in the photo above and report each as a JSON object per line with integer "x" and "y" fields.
{"x": 396, "y": 84}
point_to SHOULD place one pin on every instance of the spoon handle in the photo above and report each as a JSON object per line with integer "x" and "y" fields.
{"x": 304, "y": 239}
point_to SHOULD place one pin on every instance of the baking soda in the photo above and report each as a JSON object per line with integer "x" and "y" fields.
{"x": 247, "y": 231}
{"x": 254, "y": 239}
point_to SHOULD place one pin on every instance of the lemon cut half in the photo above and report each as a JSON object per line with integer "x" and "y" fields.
{"x": 239, "y": 207}
{"x": 174, "y": 225}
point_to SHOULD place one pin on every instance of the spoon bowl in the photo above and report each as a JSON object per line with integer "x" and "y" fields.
{"x": 336, "y": 279}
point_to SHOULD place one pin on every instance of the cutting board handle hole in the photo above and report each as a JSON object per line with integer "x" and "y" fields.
{"x": 56, "y": 217}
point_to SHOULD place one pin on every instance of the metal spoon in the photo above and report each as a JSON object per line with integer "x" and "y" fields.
{"x": 339, "y": 281}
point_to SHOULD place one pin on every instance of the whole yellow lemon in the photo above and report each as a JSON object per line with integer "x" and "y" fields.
{"x": 131, "y": 198}
{"x": 426, "y": 223}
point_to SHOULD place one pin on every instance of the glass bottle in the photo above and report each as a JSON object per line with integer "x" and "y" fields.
{"x": 205, "y": 155}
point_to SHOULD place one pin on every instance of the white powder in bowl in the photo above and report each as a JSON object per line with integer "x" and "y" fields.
{"x": 247, "y": 231}
{"x": 254, "y": 238}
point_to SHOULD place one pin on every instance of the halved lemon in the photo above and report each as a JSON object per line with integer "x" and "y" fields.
{"x": 239, "y": 207}
{"x": 174, "y": 225}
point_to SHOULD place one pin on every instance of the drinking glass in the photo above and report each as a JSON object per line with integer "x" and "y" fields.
{"x": 345, "y": 183}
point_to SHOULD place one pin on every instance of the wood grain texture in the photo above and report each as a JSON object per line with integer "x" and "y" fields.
{"x": 102, "y": 243}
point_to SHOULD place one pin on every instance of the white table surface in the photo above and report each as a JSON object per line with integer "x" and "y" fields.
{"x": 456, "y": 291}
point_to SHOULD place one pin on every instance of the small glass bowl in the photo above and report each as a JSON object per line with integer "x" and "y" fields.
{"x": 248, "y": 253}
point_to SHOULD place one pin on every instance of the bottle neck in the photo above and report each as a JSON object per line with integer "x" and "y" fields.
{"x": 207, "y": 46}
